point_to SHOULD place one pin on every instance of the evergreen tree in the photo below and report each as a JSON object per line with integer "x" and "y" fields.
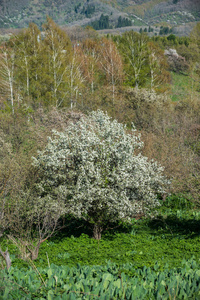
{"x": 102, "y": 23}
{"x": 123, "y": 22}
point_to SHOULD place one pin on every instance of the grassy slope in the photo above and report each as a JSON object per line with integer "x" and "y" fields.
{"x": 183, "y": 86}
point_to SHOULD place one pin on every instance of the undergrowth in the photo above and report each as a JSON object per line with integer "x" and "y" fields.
{"x": 170, "y": 236}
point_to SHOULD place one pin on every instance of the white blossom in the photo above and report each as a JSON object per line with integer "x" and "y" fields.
{"x": 92, "y": 167}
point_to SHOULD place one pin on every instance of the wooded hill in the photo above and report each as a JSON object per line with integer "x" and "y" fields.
{"x": 70, "y": 12}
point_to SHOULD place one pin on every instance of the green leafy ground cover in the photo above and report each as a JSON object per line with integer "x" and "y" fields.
{"x": 106, "y": 282}
{"x": 168, "y": 238}
{"x": 152, "y": 254}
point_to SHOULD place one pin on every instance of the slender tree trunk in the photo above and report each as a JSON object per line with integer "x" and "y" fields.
{"x": 97, "y": 230}
{"x": 27, "y": 75}
{"x": 71, "y": 84}
{"x": 92, "y": 83}
{"x": 113, "y": 90}
{"x": 9, "y": 69}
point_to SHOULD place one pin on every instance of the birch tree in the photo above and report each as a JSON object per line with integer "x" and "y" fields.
{"x": 134, "y": 49}
{"x": 58, "y": 55}
{"x": 91, "y": 59}
{"x": 26, "y": 46}
{"x": 111, "y": 64}
{"x": 75, "y": 77}
{"x": 159, "y": 76}
{"x": 7, "y": 64}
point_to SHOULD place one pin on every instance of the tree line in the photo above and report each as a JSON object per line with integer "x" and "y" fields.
{"x": 45, "y": 67}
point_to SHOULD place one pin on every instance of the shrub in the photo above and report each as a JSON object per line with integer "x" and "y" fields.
{"x": 93, "y": 166}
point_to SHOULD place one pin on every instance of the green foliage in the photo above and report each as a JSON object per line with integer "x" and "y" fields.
{"x": 107, "y": 282}
{"x": 150, "y": 29}
{"x": 123, "y": 22}
{"x": 173, "y": 134}
{"x": 172, "y": 41}
{"x": 165, "y": 30}
{"x": 182, "y": 86}
{"x": 170, "y": 236}
{"x": 144, "y": 61}
{"x": 88, "y": 10}
{"x": 133, "y": 47}
{"x": 77, "y": 7}
{"x": 163, "y": 239}
{"x": 102, "y": 23}
{"x": 171, "y": 37}
{"x": 178, "y": 201}
{"x": 20, "y": 14}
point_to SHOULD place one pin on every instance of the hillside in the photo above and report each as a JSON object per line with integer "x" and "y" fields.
{"x": 64, "y": 12}
{"x": 154, "y": 11}
{"x": 18, "y": 14}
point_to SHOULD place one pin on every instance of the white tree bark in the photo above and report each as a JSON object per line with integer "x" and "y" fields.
{"x": 7, "y": 74}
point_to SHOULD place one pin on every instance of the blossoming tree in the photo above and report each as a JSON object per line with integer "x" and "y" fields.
{"x": 94, "y": 169}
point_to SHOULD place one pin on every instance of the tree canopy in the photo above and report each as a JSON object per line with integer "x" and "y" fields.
{"x": 94, "y": 169}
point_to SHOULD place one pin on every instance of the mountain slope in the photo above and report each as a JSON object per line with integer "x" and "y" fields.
{"x": 19, "y": 13}
{"x": 155, "y": 11}
{"x": 63, "y": 12}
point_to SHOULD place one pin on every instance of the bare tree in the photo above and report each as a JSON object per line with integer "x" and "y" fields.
{"x": 91, "y": 58}
{"x": 33, "y": 220}
{"x": 75, "y": 76}
{"x": 111, "y": 63}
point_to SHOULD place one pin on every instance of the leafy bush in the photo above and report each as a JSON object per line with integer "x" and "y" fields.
{"x": 178, "y": 201}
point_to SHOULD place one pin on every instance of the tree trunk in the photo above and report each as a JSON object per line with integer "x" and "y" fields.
{"x": 97, "y": 230}
{"x": 6, "y": 256}
{"x": 35, "y": 251}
